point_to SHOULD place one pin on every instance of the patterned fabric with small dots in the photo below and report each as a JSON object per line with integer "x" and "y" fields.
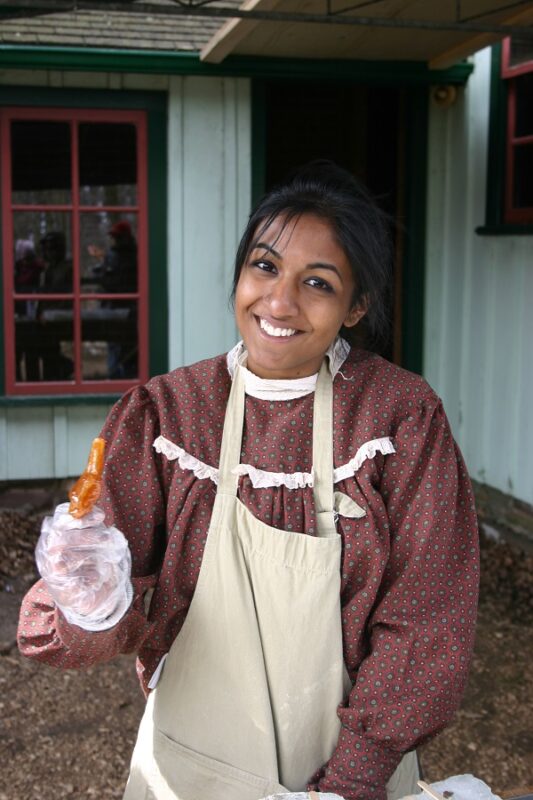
{"x": 409, "y": 566}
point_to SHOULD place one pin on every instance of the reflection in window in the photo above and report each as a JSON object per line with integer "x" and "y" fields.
{"x": 40, "y": 162}
{"x": 43, "y": 342}
{"x": 109, "y": 339}
{"x": 108, "y": 164}
{"x": 45, "y": 238}
{"x": 108, "y": 252}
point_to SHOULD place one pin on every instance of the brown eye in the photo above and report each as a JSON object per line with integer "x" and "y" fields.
{"x": 265, "y": 266}
{"x": 320, "y": 284}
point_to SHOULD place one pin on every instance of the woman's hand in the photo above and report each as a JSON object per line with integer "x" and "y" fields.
{"x": 86, "y": 567}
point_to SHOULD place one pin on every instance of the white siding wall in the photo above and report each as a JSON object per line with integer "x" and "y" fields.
{"x": 209, "y": 200}
{"x": 209, "y": 194}
{"x": 478, "y": 327}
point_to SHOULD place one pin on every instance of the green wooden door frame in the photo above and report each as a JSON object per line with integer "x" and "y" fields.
{"x": 414, "y": 204}
{"x": 415, "y": 199}
{"x": 155, "y": 105}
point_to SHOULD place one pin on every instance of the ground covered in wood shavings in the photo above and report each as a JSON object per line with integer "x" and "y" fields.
{"x": 70, "y": 734}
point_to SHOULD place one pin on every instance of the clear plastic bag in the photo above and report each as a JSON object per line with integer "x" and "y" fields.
{"x": 86, "y": 566}
{"x": 304, "y": 796}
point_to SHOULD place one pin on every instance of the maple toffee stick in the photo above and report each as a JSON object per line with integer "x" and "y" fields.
{"x": 86, "y": 490}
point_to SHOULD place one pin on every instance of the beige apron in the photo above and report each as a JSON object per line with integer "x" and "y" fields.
{"x": 246, "y": 705}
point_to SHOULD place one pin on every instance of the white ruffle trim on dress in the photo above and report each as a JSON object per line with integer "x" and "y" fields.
{"x": 367, "y": 451}
{"x": 262, "y": 479}
{"x": 185, "y": 460}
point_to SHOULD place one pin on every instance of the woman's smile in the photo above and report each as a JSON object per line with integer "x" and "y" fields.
{"x": 271, "y": 330}
{"x": 294, "y": 293}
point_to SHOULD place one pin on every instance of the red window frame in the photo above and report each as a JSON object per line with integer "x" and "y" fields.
{"x": 74, "y": 116}
{"x": 512, "y": 214}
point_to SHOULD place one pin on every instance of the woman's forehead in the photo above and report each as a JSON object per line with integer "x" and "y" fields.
{"x": 280, "y": 228}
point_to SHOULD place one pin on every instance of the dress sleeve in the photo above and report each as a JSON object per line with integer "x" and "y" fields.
{"x": 420, "y": 633}
{"x": 133, "y": 500}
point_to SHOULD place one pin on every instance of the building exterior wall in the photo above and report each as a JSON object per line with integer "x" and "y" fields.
{"x": 478, "y": 331}
{"x": 209, "y": 200}
{"x": 209, "y": 179}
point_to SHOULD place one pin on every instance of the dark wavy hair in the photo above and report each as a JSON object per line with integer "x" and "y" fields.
{"x": 361, "y": 228}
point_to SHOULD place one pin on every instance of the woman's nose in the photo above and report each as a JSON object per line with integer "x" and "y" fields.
{"x": 283, "y": 298}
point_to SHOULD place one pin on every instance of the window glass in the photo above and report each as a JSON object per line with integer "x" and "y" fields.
{"x": 43, "y": 340}
{"x": 109, "y": 339}
{"x": 523, "y": 170}
{"x": 524, "y": 105}
{"x": 40, "y": 162}
{"x": 108, "y": 254}
{"x": 108, "y": 164}
{"x": 46, "y": 235}
{"x": 520, "y": 51}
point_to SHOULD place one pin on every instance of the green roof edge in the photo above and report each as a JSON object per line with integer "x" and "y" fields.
{"x": 88, "y": 59}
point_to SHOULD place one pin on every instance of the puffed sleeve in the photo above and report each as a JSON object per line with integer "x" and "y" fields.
{"x": 420, "y": 631}
{"x": 133, "y": 499}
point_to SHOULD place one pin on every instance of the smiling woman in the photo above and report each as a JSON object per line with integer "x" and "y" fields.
{"x": 305, "y": 521}
{"x": 292, "y": 299}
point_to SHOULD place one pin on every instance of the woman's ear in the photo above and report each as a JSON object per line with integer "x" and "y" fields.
{"x": 356, "y": 313}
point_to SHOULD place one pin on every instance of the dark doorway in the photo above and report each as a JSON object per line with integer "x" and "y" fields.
{"x": 358, "y": 127}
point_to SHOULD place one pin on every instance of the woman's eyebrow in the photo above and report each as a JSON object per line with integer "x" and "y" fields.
{"x": 323, "y": 265}
{"x": 267, "y": 247}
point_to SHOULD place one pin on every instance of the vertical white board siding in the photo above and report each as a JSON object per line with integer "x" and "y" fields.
{"x": 3, "y": 446}
{"x": 53, "y": 442}
{"x": 209, "y": 197}
{"x": 84, "y": 423}
{"x": 29, "y": 446}
{"x": 478, "y": 331}
{"x": 176, "y": 223}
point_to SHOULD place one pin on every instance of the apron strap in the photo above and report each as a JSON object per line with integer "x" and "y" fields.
{"x": 323, "y": 452}
{"x": 230, "y": 449}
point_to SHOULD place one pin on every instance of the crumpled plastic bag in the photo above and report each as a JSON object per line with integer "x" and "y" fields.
{"x": 304, "y": 796}
{"x": 86, "y": 566}
{"x": 465, "y": 787}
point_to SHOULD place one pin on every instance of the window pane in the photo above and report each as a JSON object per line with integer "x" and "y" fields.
{"x": 523, "y": 176}
{"x": 524, "y": 105}
{"x": 48, "y": 235}
{"x": 109, "y": 339}
{"x": 108, "y": 164}
{"x": 43, "y": 341}
{"x": 108, "y": 252}
{"x": 40, "y": 162}
{"x": 521, "y": 50}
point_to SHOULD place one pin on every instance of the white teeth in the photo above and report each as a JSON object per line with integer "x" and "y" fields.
{"x": 268, "y": 328}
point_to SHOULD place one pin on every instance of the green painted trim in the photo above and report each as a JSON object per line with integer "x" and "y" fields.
{"x": 157, "y": 240}
{"x": 150, "y": 101}
{"x": 155, "y": 104}
{"x": 505, "y": 230}
{"x": 59, "y": 400}
{"x": 496, "y": 144}
{"x": 416, "y": 161}
{"x": 180, "y": 63}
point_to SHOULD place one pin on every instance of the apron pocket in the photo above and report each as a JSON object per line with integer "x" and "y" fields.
{"x": 183, "y": 774}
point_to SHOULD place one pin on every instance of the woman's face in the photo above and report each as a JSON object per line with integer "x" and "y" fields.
{"x": 294, "y": 293}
